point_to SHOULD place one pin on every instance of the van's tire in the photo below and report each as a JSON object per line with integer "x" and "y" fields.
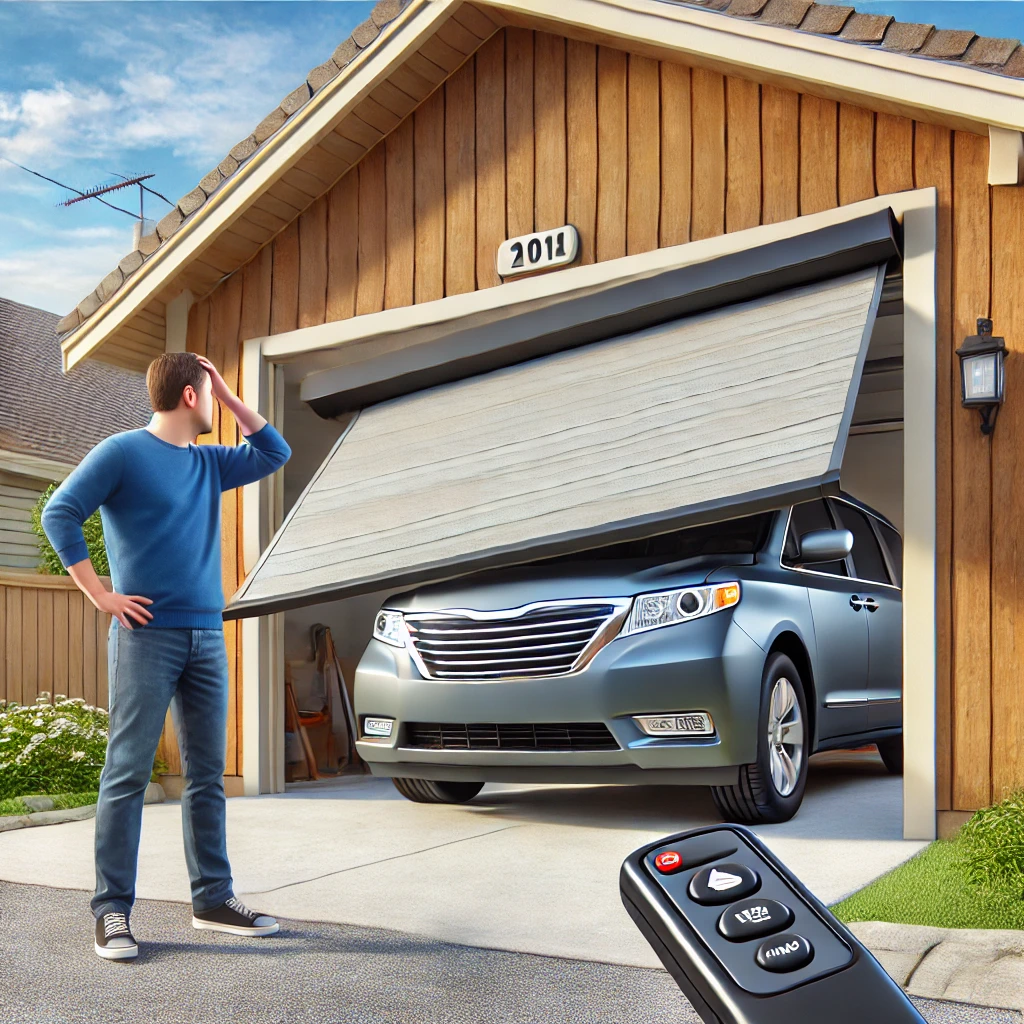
{"x": 757, "y": 798}
{"x": 891, "y": 751}
{"x": 427, "y": 791}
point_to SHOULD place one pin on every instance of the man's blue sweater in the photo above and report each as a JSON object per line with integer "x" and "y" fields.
{"x": 160, "y": 508}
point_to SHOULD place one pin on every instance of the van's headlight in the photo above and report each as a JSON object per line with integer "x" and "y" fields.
{"x": 671, "y": 606}
{"x": 390, "y": 627}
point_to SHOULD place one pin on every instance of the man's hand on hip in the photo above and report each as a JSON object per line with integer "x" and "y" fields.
{"x": 118, "y": 605}
{"x": 123, "y": 605}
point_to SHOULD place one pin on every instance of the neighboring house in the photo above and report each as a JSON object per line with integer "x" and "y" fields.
{"x": 49, "y": 420}
{"x": 329, "y": 259}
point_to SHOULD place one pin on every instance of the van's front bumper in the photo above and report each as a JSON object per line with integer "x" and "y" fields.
{"x": 708, "y": 665}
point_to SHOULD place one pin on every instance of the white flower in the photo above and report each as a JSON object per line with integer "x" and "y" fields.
{"x": 77, "y": 755}
{"x": 37, "y": 721}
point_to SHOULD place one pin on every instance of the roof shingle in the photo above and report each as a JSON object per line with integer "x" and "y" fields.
{"x": 52, "y": 414}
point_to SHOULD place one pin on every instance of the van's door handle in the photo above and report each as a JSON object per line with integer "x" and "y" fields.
{"x": 870, "y": 603}
{"x": 856, "y": 603}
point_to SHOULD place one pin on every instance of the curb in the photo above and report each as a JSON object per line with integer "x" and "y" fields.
{"x": 14, "y": 821}
{"x": 962, "y": 965}
{"x": 154, "y": 795}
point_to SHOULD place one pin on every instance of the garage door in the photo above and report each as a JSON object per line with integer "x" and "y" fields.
{"x": 729, "y": 411}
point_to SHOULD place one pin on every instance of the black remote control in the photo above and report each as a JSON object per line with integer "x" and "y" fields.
{"x": 746, "y": 942}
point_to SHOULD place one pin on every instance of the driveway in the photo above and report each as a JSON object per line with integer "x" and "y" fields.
{"x": 314, "y": 974}
{"x": 526, "y": 869}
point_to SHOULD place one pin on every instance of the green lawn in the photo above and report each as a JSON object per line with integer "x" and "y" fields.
{"x": 933, "y": 888}
{"x": 63, "y": 802}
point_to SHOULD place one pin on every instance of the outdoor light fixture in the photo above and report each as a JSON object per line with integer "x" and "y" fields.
{"x": 981, "y": 373}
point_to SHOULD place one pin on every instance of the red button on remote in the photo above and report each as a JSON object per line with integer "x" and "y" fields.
{"x": 668, "y": 862}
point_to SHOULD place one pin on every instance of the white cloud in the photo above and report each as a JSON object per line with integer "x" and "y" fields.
{"x": 187, "y": 84}
{"x": 56, "y": 274}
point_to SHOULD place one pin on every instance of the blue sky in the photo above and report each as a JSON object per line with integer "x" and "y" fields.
{"x": 88, "y": 90}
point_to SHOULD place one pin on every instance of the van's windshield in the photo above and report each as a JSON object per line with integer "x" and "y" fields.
{"x": 733, "y": 537}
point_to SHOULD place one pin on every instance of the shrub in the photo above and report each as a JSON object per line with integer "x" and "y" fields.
{"x": 51, "y": 748}
{"x": 992, "y": 847}
{"x": 92, "y": 528}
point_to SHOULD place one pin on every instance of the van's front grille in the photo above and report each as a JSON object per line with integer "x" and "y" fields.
{"x": 544, "y": 640}
{"x": 474, "y": 736}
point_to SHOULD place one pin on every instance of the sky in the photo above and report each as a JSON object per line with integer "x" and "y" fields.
{"x": 90, "y": 90}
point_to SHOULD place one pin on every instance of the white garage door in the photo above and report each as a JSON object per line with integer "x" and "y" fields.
{"x": 745, "y": 407}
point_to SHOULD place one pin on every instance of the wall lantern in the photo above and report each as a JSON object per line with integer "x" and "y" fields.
{"x": 981, "y": 373}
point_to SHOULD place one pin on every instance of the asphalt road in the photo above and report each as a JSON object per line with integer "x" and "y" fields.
{"x": 312, "y": 974}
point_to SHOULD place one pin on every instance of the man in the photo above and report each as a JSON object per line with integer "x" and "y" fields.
{"x": 159, "y": 497}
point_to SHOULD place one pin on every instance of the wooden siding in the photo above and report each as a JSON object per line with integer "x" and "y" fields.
{"x": 624, "y": 143}
{"x": 54, "y": 640}
{"x": 19, "y": 547}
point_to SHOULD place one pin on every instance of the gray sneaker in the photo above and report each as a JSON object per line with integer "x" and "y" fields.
{"x": 235, "y": 918}
{"x": 114, "y": 939}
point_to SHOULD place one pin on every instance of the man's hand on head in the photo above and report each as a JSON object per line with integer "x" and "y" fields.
{"x": 220, "y": 386}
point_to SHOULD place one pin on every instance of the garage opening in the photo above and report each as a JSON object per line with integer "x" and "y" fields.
{"x": 869, "y": 465}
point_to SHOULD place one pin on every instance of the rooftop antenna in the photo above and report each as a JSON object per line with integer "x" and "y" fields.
{"x": 141, "y": 224}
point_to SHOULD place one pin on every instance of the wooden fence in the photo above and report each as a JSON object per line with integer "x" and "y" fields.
{"x": 54, "y": 640}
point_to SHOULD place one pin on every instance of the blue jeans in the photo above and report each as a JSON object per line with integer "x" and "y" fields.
{"x": 149, "y": 669}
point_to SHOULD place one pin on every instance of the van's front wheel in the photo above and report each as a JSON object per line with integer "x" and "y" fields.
{"x": 772, "y": 788}
{"x": 428, "y": 791}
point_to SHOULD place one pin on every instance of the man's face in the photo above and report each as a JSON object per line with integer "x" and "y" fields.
{"x": 204, "y": 407}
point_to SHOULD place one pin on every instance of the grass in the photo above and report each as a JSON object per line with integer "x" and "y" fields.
{"x": 62, "y": 802}
{"x": 972, "y": 881}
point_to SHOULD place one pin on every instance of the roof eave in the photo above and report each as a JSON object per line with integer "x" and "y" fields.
{"x": 971, "y": 97}
{"x": 968, "y": 98}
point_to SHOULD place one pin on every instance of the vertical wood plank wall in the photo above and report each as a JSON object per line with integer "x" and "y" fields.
{"x": 535, "y": 130}
{"x": 53, "y": 639}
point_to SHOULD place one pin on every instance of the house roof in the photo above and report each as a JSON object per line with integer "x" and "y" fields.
{"x": 998, "y": 56}
{"x": 474, "y": 23}
{"x": 49, "y": 414}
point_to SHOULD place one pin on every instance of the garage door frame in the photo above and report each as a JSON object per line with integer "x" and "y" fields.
{"x": 265, "y": 361}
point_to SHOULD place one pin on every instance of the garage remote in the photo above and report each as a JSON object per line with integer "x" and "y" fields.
{"x": 746, "y": 942}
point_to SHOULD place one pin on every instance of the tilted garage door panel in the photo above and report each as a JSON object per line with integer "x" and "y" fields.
{"x": 729, "y": 402}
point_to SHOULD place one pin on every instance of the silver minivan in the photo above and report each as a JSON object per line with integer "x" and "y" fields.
{"x": 719, "y": 655}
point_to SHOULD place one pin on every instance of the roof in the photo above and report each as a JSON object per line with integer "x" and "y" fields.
{"x": 47, "y": 413}
{"x": 998, "y": 57}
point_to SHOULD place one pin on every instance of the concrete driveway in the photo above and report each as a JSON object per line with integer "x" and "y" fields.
{"x": 527, "y": 869}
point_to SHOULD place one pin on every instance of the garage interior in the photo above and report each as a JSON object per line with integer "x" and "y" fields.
{"x": 871, "y": 470}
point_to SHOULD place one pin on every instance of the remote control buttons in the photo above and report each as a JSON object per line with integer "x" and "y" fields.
{"x": 782, "y": 953}
{"x": 750, "y": 919}
{"x": 669, "y": 862}
{"x": 723, "y": 883}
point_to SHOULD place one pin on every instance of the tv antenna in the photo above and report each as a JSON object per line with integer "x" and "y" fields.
{"x": 99, "y": 191}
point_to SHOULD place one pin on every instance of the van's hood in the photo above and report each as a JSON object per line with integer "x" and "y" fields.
{"x": 514, "y": 586}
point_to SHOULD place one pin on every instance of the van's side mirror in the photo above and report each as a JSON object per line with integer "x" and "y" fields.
{"x": 824, "y": 546}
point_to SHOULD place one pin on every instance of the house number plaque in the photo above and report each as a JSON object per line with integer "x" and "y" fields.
{"x": 538, "y": 251}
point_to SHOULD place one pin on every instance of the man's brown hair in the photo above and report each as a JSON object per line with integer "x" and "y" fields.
{"x": 167, "y": 376}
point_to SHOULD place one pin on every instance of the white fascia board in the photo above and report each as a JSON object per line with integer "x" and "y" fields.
{"x": 35, "y": 466}
{"x": 976, "y": 97}
{"x": 1005, "y": 156}
{"x": 272, "y": 159}
{"x": 176, "y": 336}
